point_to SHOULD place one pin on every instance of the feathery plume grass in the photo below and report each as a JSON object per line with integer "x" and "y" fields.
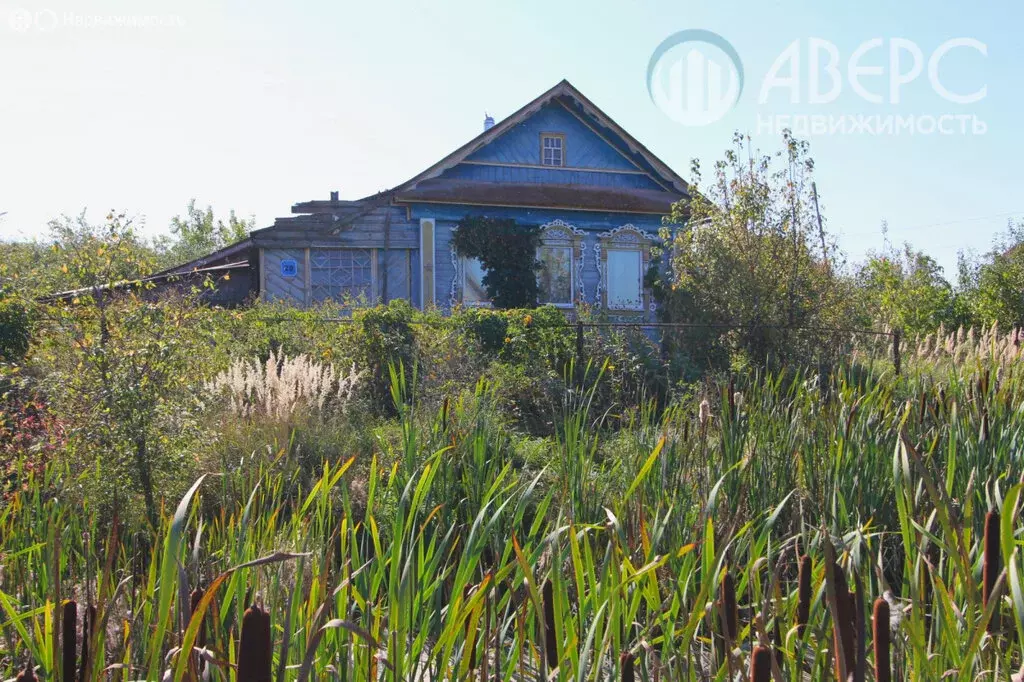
{"x": 282, "y": 386}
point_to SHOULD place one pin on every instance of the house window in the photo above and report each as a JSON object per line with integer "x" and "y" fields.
{"x": 473, "y": 290}
{"x": 555, "y": 277}
{"x": 624, "y": 279}
{"x": 341, "y": 274}
{"x": 552, "y": 149}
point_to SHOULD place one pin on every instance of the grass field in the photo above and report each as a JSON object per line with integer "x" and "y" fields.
{"x": 789, "y": 527}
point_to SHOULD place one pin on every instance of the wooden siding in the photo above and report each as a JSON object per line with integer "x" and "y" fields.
{"x": 290, "y": 290}
{"x": 367, "y": 231}
{"x": 549, "y": 176}
{"x": 584, "y": 148}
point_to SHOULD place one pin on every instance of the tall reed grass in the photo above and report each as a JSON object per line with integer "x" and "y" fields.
{"x": 748, "y": 537}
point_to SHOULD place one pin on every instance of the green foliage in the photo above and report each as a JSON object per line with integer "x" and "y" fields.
{"x": 992, "y": 288}
{"x": 386, "y": 340}
{"x": 752, "y": 257}
{"x": 905, "y": 290}
{"x": 508, "y": 253}
{"x": 118, "y": 366}
{"x": 197, "y": 233}
{"x": 14, "y": 328}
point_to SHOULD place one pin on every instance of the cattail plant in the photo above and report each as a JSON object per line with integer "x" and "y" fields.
{"x": 761, "y": 664}
{"x": 991, "y": 567}
{"x": 730, "y": 610}
{"x": 26, "y": 675}
{"x": 882, "y": 640}
{"x": 69, "y": 640}
{"x": 843, "y": 624}
{"x": 550, "y": 641}
{"x": 803, "y": 592}
{"x": 254, "y": 646}
{"x": 627, "y": 667}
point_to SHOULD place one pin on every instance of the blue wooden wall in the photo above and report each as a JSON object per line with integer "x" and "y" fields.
{"x": 584, "y": 148}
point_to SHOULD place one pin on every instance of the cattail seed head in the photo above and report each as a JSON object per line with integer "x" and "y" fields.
{"x": 843, "y": 623}
{"x": 69, "y": 640}
{"x": 627, "y": 667}
{"x": 882, "y": 641}
{"x": 730, "y": 610}
{"x": 254, "y": 646}
{"x": 550, "y": 640}
{"x": 992, "y": 565}
{"x": 761, "y": 665}
{"x": 705, "y": 412}
{"x": 803, "y": 601}
{"x": 26, "y": 675}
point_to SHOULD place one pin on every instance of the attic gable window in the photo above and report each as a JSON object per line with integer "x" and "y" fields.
{"x": 552, "y": 149}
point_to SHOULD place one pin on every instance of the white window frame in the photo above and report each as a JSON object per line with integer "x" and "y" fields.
{"x": 544, "y": 137}
{"x": 639, "y": 305}
{"x": 628, "y": 238}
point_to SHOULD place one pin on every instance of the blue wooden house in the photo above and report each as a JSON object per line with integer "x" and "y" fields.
{"x": 560, "y": 163}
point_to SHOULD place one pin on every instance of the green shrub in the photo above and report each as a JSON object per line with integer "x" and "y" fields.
{"x": 14, "y": 329}
{"x": 385, "y": 338}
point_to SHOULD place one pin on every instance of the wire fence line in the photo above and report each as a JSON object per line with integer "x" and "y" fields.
{"x": 579, "y": 325}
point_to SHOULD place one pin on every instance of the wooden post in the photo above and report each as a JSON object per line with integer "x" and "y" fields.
{"x": 579, "y": 348}
{"x": 896, "y": 360}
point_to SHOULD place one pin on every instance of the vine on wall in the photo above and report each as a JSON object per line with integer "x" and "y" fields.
{"x": 508, "y": 253}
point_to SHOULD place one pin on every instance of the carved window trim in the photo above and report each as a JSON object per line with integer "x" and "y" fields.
{"x": 560, "y": 233}
{"x": 628, "y": 238}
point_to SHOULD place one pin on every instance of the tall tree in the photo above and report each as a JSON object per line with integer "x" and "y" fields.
{"x": 992, "y": 287}
{"x": 752, "y": 254}
{"x": 198, "y": 233}
{"x": 905, "y": 289}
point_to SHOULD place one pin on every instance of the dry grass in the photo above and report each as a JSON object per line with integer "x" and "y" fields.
{"x": 281, "y": 386}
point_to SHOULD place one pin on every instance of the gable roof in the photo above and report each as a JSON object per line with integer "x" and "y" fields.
{"x": 564, "y": 89}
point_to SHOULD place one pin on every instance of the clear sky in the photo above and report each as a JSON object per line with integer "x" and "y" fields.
{"x": 255, "y": 105}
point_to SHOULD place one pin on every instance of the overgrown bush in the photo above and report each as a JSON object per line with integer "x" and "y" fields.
{"x": 14, "y": 329}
